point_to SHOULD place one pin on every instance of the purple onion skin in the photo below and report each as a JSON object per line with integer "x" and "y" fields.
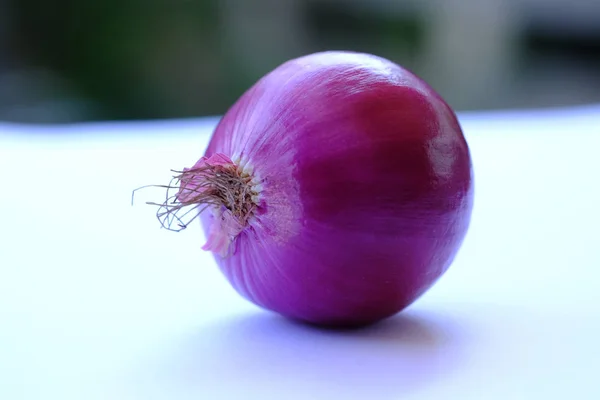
{"x": 367, "y": 189}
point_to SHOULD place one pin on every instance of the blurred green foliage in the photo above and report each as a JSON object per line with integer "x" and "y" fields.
{"x": 115, "y": 50}
{"x": 140, "y": 59}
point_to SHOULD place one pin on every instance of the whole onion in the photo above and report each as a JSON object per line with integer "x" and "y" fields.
{"x": 335, "y": 191}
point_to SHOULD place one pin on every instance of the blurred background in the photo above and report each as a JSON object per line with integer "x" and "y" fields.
{"x": 81, "y": 60}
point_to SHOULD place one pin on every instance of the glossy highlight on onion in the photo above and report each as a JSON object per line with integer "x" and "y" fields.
{"x": 336, "y": 191}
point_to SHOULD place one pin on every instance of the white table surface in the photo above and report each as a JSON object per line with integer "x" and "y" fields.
{"x": 97, "y": 302}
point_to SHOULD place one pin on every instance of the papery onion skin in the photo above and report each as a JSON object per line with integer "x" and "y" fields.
{"x": 366, "y": 189}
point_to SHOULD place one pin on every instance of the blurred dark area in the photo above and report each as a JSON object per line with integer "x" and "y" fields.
{"x": 68, "y": 60}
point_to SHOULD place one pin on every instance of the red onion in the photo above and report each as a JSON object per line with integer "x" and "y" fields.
{"x": 335, "y": 191}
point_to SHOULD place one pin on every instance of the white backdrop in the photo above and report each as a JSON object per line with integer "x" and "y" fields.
{"x": 97, "y": 302}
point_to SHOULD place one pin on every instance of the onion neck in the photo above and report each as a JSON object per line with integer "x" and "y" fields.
{"x": 220, "y": 185}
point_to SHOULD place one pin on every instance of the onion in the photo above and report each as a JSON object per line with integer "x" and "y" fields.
{"x": 335, "y": 191}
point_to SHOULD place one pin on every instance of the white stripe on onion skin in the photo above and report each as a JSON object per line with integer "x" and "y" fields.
{"x": 347, "y": 196}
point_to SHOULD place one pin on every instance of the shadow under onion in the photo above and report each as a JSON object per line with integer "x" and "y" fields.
{"x": 266, "y": 356}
